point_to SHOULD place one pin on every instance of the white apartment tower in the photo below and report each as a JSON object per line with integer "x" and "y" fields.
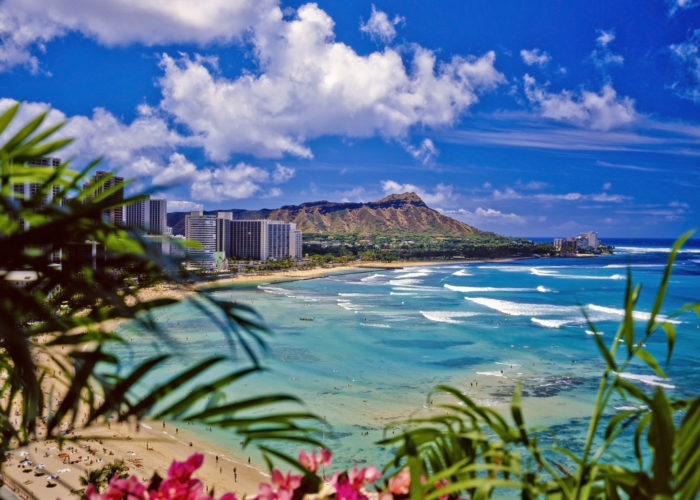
{"x": 115, "y": 214}
{"x": 278, "y": 239}
{"x": 29, "y": 190}
{"x": 201, "y": 228}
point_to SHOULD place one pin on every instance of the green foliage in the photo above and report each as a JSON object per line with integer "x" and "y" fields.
{"x": 56, "y": 331}
{"x": 101, "y": 476}
{"x": 482, "y": 455}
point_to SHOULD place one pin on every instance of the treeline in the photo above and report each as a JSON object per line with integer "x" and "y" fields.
{"x": 343, "y": 248}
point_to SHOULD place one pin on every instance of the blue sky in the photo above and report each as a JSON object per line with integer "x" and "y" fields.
{"x": 539, "y": 118}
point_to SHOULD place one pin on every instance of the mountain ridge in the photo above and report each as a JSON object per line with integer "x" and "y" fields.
{"x": 395, "y": 213}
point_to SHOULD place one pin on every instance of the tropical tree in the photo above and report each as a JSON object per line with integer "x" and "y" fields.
{"x": 56, "y": 367}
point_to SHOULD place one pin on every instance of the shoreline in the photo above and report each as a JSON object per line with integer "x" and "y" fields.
{"x": 150, "y": 447}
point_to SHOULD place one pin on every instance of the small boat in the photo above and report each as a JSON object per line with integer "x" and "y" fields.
{"x": 306, "y": 319}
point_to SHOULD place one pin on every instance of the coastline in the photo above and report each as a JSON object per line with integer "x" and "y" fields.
{"x": 150, "y": 447}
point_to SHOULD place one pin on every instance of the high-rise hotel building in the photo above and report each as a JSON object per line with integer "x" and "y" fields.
{"x": 201, "y": 228}
{"x": 116, "y": 213}
{"x": 29, "y": 190}
{"x": 150, "y": 215}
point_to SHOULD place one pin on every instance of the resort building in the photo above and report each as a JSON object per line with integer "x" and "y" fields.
{"x": 249, "y": 239}
{"x": 150, "y": 214}
{"x": 105, "y": 181}
{"x": 201, "y": 228}
{"x": 278, "y": 239}
{"x": 223, "y": 233}
{"x": 29, "y": 190}
{"x": 295, "y": 244}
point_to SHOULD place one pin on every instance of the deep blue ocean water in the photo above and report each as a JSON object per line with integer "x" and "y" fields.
{"x": 381, "y": 340}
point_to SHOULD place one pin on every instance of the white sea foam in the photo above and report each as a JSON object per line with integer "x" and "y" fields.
{"x": 591, "y": 332}
{"x": 273, "y": 290}
{"x": 404, "y": 282}
{"x": 375, "y": 325}
{"x": 342, "y": 294}
{"x": 507, "y": 269}
{"x": 628, "y": 249}
{"x": 447, "y": 316}
{"x": 418, "y": 274}
{"x": 372, "y": 277}
{"x": 543, "y": 289}
{"x": 507, "y": 363}
{"x": 648, "y": 379}
{"x": 462, "y": 272}
{"x": 479, "y": 289}
{"x": 625, "y": 266}
{"x": 552, "y": 273}
{"x": 550, "y": 323}
{"x": 492, "y": 374}
{"x": 523, "y": 309}
{"x": 403, "y": 293}
{"x": 638, "y": 315}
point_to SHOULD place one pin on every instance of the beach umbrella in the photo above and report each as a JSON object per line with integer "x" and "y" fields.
{"x": 61, "y": 471}
{"x": 63, "y": 455}
{"x": 26, "y": 463}
{"x": 23, "y": 453}
{"x": 51, "y": 476}
{"x": 40, "y": 467}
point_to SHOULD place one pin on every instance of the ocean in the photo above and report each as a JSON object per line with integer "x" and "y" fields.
{"x": 380, "y": 341}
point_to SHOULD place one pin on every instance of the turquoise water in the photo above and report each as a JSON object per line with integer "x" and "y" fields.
{"x": 381, "y": 340}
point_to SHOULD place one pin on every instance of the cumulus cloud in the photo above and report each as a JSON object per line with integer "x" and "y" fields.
{"x": 603, "y": 56}
{"x": 511, "y": 194}
{"x": 598, "y": 111}
{"x": 27, "y": 25}
{"x": 282, "y": 174}
{"x": 687, "y": 57}
{"x": 675, "y": 6}
{"x": 134, "y": 149}
{"x": 424, "y": 153}
{"x": 441, "y": 194}
{"x": 183, "y": 206}
{"x": 228, "y": 183}
{"x": 309, "y": 85}
{"x": 486, "y": 218}
{"x": 535, "y": 57}
{"x": 380, "y": 27}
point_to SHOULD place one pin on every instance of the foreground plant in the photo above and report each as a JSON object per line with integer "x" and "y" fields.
{"x": 474, "y": 451}
{"x": 57, "y": 370}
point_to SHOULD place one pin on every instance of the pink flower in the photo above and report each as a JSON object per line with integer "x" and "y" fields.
{"x": 440, "y": 484}
{"x": 400, "y": 483}
{"x": 179, "y": 485}
{"x": 285, "y": 487}
{"x": 368, "y": 474}
{"x": 312, "y": 461}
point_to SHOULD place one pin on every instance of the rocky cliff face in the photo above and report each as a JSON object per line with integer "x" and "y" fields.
{"x": 397, "y": 213}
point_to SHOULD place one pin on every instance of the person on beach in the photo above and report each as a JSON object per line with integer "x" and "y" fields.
{"x": 235, "y": 474}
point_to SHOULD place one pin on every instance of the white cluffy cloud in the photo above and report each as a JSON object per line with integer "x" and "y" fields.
{"x": 675, "y": 6}
{"x": 441, "y": 194}
{"x": 222, "y": 183}
{"x": 183, "y": 206}
{"x": 134, "y": 149}
{"x": 535, "y": 57}
{"x": 310, "y": 85}
{"x": 380, "y": 27}
{"x": 486, "y": 218}
{"x": 603, "y": 56}
{"x": 424, "y": 152}
{"x": 598, "y": 111}
{"x": 687, "y": 56}
{"x": 27, "y": 25}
